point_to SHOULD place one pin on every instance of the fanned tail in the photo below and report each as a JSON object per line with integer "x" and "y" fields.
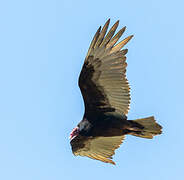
{"x": 145, "y": 127}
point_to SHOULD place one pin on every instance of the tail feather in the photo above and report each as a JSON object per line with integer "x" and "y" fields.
{"x": 149, "y": 127}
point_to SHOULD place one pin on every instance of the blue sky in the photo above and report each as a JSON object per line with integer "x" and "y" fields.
{"x": 42, "y": 48}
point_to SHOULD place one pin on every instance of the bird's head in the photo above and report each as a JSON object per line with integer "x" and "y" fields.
{"x": 83, "y": 129}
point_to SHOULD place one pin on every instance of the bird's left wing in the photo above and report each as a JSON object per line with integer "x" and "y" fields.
{"x": 99, "y": 148}
{"x": 103, "y": 80}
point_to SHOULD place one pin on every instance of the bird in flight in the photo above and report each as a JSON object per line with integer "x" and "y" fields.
{"x": 106, "y": 93}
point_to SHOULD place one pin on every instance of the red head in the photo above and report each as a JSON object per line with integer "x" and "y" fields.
{"x": 74, "y": 133}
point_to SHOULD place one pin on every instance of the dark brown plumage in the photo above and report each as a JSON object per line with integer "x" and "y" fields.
{"x": 106, "y": 95}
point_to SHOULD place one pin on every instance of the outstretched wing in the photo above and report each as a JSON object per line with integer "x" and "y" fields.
{"x": 103, "y": 80}
{"x": 99, "y": 148}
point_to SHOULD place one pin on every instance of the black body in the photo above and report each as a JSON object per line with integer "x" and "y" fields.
{"x": 104, "y": 124}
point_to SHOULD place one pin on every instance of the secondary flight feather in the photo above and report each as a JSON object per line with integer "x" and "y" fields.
{"x": 106, "y": 93}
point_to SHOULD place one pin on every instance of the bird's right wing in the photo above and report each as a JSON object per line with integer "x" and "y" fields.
{"x": 99, "y": 148}
{"x": 103, "y": 80}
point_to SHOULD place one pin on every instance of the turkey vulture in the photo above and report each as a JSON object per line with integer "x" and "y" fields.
{"x": 106, "y": 95}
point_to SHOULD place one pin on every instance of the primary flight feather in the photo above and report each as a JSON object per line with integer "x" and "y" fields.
{"x": 106, "y": 93}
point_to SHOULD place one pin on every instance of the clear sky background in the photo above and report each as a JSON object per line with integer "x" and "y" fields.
{"x": 42, "y": 48}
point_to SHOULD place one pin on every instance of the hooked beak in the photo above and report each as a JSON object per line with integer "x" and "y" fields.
{"x": 74, "y": 133}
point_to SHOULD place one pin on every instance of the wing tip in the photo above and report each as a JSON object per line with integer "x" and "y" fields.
{"x": 112, "y": 162}
{"x": 117, "y": 22}
{"x": 108, "y": 21}
{"x": 124, "y": 27}
{"x": 99, "y": 29}
{"x": 131, "y": 36}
